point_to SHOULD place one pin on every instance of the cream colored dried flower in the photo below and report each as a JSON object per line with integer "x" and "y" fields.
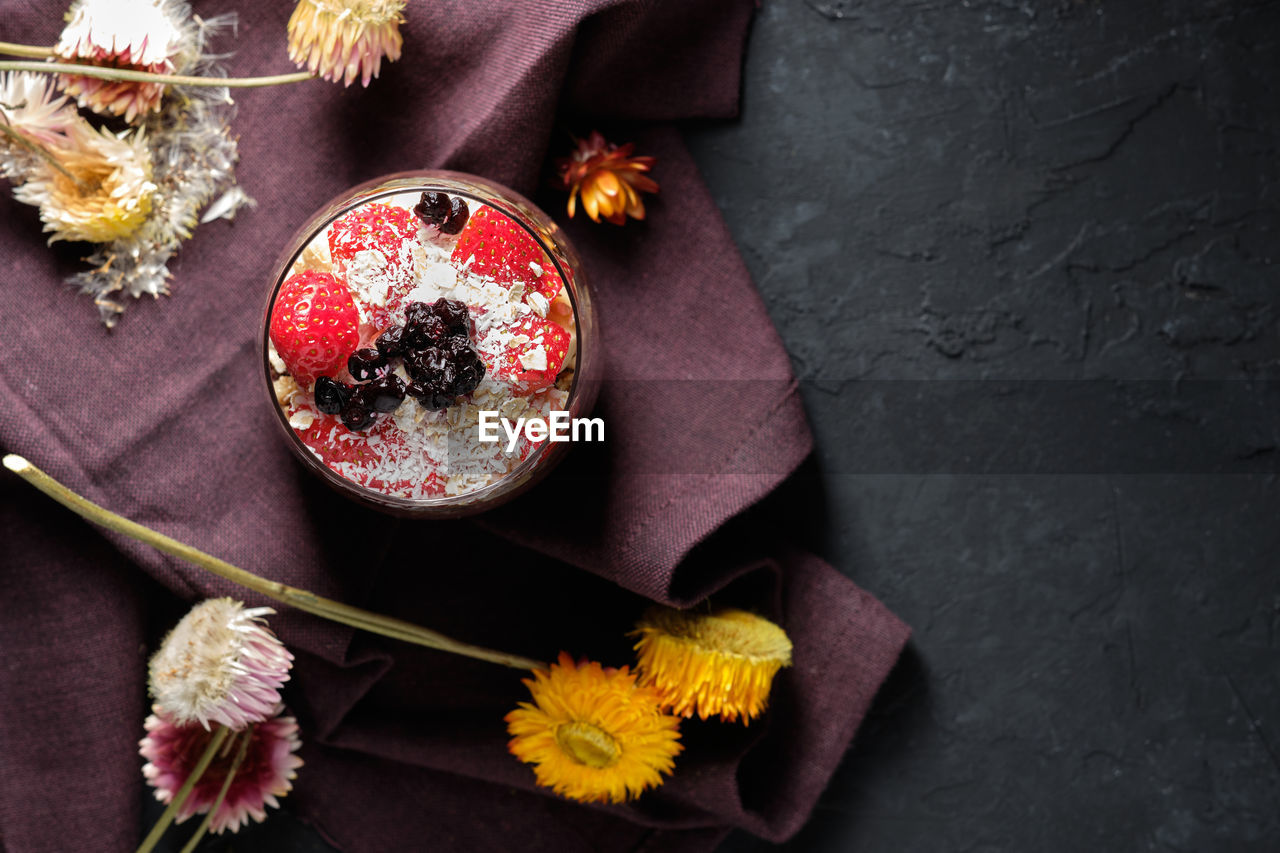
{"x": 220, "y": 664}
{"x": 143, "y": 35}
{"x": 96, "y": 187}
{"x": 345, "y": 39}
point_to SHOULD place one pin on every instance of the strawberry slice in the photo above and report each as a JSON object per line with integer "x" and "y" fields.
{"x": 334, "y": 443}
{"x": 534, "y": 363}
{"x": 374, "y": 226}
{"x": 382, "y": 285}
{"x": 362, "y": 457}
{"x": 500, "y": 249}
{"x": 314, "y": 325}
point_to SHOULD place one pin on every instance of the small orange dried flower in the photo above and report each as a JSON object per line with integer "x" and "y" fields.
{"x": 608, "y": 178}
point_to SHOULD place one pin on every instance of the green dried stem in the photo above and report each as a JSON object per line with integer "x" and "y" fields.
{"x": 245, "y": 738}
{"x": 325, "y": 608}
{"x": 166, "y": 818}
{"x": 8, "y": 48}
{"x": 131, "y": 76}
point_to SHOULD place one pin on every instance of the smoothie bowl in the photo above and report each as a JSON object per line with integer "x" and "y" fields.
{"x": 406, "y": 321}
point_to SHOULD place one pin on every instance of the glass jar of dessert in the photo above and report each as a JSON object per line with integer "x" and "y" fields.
{"x": 411, "y": 324}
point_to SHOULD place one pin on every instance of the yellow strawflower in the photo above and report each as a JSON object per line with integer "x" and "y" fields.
{"x": 592, "y": 734}
{"x": 720, "y": 663}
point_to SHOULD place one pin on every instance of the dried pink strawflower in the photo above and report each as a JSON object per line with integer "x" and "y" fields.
{"x": 142, "y": 35}
{"x": 345, "y": 39}
{"x": 220, "y": 664}
{"x": 266, "y": 772}
{"x": 31, "y": 107}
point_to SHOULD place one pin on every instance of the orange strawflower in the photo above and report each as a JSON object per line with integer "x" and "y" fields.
{"x": 713, "y": 664}
{"x": 608, "y": 178}
{"x": 591, "y": 734}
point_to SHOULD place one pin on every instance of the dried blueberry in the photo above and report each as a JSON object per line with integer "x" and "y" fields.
{"x": 391, "y": 342}
{"x": 356, "y": 416}
{"x": 425, "y": 365}
{"x": 454, "y": 314}
{"x": 365, "y": 364}
{"x": 470, "y": 370}
{"x": 468, "y": 358}
{"x": 433, "y": 209}
{"x": 331, "y": 395}
{"x": 383, "y": 394}
{"x": 457, "y": 218}
{"x": 416, "y": 312}
{"x": 455, "y": 344}
{"x": 466, "y": 381}
{"x": 430, "y": 396}
{"x": 446, "y": 378}
{"x": 429, "y": 331}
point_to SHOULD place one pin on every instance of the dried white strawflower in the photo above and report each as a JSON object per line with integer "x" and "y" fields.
{"x": 221, "y": 664}
{"x": 32, "y": 113}
{"x": 141, "y": 35}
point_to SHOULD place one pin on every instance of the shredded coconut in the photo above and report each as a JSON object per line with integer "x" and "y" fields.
{"x": 534, "y": 359}
{"x": 538, "y": 304}
{"x": 369, "y": 277}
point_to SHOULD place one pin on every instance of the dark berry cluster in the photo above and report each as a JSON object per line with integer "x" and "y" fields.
{"x": 448, "y": 213}
{"x": 435, "y": 346}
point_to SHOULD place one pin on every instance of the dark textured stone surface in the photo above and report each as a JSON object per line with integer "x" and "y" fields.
{"x": 1016, "y": 194}
{"x": 952, "y": 208}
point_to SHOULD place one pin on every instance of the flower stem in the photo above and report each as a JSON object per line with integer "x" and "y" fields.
{"x": 206, "y": 758}
{"x": 40, "y": 151}
{"x": 8, "y": 48}
{"x": 326, "y": 608}
{"x": 132, "y": 76}
{"x": 245, "y": 739}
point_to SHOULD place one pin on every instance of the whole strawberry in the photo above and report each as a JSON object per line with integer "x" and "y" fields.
{"x": 500, "y": 249}
{"x": 314, "y": 325}
{"x": 534, "y": 363}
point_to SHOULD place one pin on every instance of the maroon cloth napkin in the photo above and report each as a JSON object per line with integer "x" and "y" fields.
{"x": 165, "y": 421}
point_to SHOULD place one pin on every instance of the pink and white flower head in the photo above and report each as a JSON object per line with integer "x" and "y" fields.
{"x": 220, "y": 664}
{"x": 142, "y": 35}
{"x": 266, "y": 773}
{"x": 31, "y": 106}
{"x": 345, "y": 39}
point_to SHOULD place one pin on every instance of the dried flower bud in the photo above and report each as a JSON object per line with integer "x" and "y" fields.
{"x": 713, "y": 664}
